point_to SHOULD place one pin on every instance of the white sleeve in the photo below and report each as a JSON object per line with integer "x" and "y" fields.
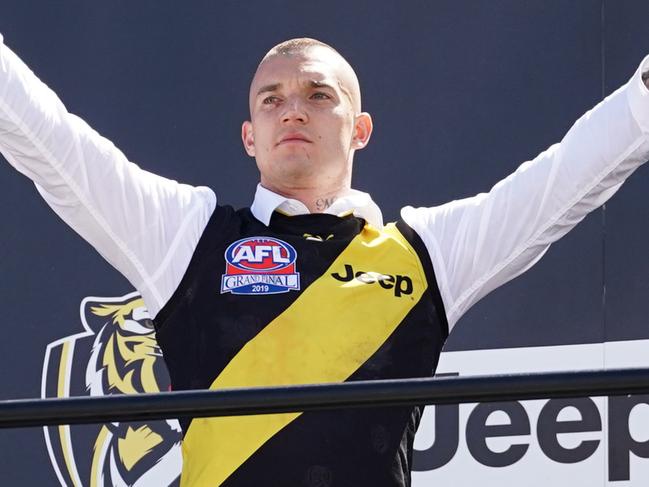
{"x": 146, "y": 226}
{"x": 479, "y": 243}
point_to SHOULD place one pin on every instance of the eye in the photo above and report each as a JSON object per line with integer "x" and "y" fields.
{"x": 270, "y": 100}
{"x": 319, "y": 95}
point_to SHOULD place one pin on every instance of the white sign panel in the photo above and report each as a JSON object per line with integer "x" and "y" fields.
{"x": 573, "y": 442}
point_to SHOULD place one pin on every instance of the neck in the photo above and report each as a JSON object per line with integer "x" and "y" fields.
{"x": 317, "y": 200}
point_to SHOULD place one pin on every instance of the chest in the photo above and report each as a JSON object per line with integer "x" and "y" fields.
{"x": 290, "y": 308}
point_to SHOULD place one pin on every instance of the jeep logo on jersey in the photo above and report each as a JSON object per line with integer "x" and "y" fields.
{"x": 399, "y": 284}
{"x": 260, "y": 265}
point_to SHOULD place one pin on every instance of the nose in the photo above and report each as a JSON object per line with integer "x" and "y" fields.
{"x": 294, "y": 112}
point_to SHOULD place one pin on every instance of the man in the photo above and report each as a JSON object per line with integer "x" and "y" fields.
{"x": 308, "y": 285}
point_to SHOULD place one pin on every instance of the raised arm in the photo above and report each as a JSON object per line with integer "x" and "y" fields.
{"x": 479, "y": 243}
{"x": 136, "y": 220}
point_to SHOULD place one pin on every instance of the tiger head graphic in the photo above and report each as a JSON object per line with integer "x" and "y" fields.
{"x": 116, "y": 354}
{"x": 125, "y": 354}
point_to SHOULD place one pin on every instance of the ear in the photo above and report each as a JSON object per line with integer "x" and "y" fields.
{"x": 248, "y": 138}
{"x": 362, "y": 130}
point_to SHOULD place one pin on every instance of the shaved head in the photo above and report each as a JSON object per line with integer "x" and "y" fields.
{"x": 305, "y": 121}
{"x": 346, "y": 77}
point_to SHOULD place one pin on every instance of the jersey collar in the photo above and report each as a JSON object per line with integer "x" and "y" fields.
{"x": 356, "y": 202}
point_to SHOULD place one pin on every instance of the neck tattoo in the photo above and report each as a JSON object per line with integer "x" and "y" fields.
{"x": 322, "y": 204}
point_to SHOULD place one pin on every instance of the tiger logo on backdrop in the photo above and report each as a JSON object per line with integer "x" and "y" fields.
{"x": 116, "y": 353}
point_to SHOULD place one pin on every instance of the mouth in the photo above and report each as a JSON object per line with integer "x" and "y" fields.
{"x": 294, "y": 138}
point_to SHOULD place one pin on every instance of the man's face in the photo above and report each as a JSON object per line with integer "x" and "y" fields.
{"x": 305, "y": 121}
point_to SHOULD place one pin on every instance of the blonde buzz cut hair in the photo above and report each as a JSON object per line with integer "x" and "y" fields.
{"x": 297, "y": 46}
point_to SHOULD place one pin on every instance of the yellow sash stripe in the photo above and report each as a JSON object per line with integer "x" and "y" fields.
{"x": 324, "y": 336}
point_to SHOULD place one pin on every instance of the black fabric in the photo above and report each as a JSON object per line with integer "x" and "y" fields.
{"x": 422, "y": 252}
{"x": 378, "y": 441}
{"x": 200, "y": 330}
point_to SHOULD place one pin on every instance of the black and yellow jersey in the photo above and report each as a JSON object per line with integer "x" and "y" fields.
{"x": 308, "y": 299}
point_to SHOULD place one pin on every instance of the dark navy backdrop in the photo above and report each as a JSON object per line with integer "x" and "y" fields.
{"x": 461, "y": 93}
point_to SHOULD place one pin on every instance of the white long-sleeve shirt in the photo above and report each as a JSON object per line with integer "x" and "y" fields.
{"x": 147, "y": 226}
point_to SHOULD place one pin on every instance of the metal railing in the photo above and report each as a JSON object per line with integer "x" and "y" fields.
{"x": 265, "y": 400}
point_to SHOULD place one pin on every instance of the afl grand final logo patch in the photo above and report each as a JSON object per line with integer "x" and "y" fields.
{"x": 260, "y": 265}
